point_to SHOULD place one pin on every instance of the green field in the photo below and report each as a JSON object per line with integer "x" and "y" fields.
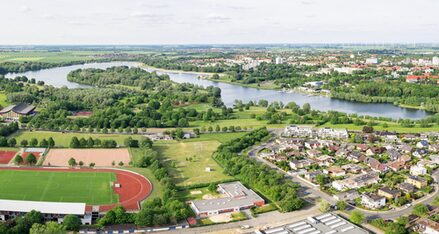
{"x": 187, "y": 161}
{"x": 89, "y": 187}
{"x": 63, "y": 139}
{"x": 3, "y": 102}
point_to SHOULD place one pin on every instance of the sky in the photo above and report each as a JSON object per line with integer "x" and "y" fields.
{"x": 146, "y": 22}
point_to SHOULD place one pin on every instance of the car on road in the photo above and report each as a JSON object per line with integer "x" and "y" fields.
{"x": 408, "y": 205}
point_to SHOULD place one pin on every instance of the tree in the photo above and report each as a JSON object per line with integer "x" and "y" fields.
{"x": 420, "y": 210}
{"x": 357, "y": 217}
{"x": 44, "y": 143}
{"x": 306, "y": 108}
{"x": 341, "y": 205}
{"x": 74, "y": 142}
{"x": 48, "y": 228}
{"x": 324, "y": 206}
{"x": 322, "y": 179}
{"x": 24, "y": 143}
{"x": 72, "y": 162}
{"x": 12, "y": 142}
{"x": 72, "y": 222}
{"x": 212, "y": 187}
{"x": 367, "y": 129}
{"x": 33, "y": 142}
{"x": 145, "y": 143}
{"x": 18, "y": 160}
{"x": 31, "y": 159}
{"x": 120, "y": 164}
{"x": 81, "y": 163}
{"x": 50, "y": 142}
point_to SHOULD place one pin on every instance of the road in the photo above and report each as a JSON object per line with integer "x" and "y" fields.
{"x": 270, "y": 219}
{"x": 308, "y": 188}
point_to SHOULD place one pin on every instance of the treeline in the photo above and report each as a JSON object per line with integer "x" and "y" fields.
{"x": 33, "y": 222}
{"x": 398, "y": 92}
{"x": 11, "y": 67}
{"x": 159, "y": 211}
{"x": 117, "y": 75}
{"x": 92, "y": 143}
{"x": 180, "y": 64}
{"x": 262, "y": 178}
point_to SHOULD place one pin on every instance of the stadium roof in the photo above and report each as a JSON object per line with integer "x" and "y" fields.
{"x": 43, "y": 207}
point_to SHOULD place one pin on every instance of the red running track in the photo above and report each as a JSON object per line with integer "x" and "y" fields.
{"x": 134, "y": 187}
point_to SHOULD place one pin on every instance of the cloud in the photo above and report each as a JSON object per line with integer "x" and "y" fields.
{"x": 218, "y": 18}
{"x": 24, "y": 9}
{"x": 307, "y": 2}
{"x": 233, "y": 7}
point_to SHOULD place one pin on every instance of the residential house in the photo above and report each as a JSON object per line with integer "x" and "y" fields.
{"x": 393, "y": 154}
{"x": 324, "y": 160}
{"x": 389, "y": 193}
{"x": 354, "y": 156}
{"x": 434, "y": 148}
{"x": 313, "y": 153}
{"x": 406, "y": 187}
{"x": 352, "y": 168}
{"x": 417, "y": 170}
{"x": 373, "y": 201}
{"x": 357, "y": 181}
{"x": 416, "y": 181}
{"x": 422, "y": 144}
{"x": 334, "y": 171}
{"x": 297, "y": 164}
{"x": 347, "y": 196}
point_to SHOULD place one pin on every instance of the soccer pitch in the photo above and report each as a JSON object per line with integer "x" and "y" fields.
{"x": 93, "y": 188}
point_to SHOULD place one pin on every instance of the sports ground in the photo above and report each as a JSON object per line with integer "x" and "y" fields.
{"x": 91, "y": 186}
{"x": 101, "y": 157}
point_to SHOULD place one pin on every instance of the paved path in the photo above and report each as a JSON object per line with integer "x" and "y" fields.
{"x": 271, "y": 219}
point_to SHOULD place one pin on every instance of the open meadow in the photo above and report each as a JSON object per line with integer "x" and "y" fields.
{"x": 187, "y": 161}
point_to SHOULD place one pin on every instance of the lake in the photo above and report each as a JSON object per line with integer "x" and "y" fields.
{"x": 229, "y": 92}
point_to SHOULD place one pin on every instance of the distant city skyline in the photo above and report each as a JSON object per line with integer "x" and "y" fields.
{"x": 137, "y": 22}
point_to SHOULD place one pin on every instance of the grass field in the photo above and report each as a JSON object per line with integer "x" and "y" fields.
{"x": 63, "y": 139}
{"x": 3, "y": 101}
{"x": 89, "y": 187}
{"x": 176, "y": 156}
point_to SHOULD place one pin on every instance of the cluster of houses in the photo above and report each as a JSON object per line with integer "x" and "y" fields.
{"x": 349, "y": 166}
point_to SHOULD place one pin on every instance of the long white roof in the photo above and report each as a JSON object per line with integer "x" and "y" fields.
{"x": 43, "y": 207}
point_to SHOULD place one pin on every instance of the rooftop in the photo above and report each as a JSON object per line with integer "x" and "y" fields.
{"x": 43, "y": 207}
{"x": 21, "y": 108}
{"x": 237, "y": 196}
{"x": 323, "y": 224}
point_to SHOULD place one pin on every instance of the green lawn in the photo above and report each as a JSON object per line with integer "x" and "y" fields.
{"x": 3, "y": 102}
{"x": 63, "y": 139}
{"x": 89, "y": 187}
{"x": 221, "y": 137}
{"x": 176, "y": 157}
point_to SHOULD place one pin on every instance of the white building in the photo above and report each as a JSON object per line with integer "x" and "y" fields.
{"x": 373, "y": 201}
{"x": 279, "y": 60}
{"x": 372, "y": 60}
{"x": 435, "y": 61}
{"x": 417, "y": 170}
{"x": 10, "y": 209}
{"x": 299, "y": 131}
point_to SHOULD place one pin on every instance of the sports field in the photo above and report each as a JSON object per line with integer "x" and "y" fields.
{"x": 58, "y": 186}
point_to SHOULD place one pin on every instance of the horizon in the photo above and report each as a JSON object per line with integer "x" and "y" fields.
{"x": 194, "y": 22}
